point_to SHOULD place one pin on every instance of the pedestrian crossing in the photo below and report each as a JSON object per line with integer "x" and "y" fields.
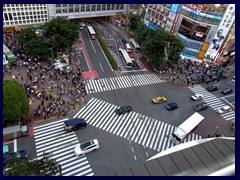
{"x": 212, "y": 101}
{"x": 51, "y": 138}
{"x": 133, "y": 126}
{"x": 118, "y": 60}
{"x": 106, "y": 84}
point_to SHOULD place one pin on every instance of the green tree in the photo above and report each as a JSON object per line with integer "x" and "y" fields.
{"x": 134, "y": 23}
{"x": 38, "y": 47}
{"x": 60, "y": 33}
{"x": 28, "y": 167}
{"x": 48, "y": 166}
{"x": 21, "y": 167}
{"x": 26, "y": 35}
{"x": 15, "y": 101}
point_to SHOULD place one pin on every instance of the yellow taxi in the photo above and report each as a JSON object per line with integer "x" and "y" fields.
{"x": 159, "y": 99}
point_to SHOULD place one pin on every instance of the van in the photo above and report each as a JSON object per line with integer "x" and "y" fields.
{"x": 74, "y": 124}
{"x": 128, "y": 47}
{"x": 186, "y": 127}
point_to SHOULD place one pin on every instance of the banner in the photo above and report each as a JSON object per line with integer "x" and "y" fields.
{"x": 223, "y": 29}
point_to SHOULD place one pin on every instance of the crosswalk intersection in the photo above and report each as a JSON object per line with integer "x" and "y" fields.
{"x": 50, "y": 138}
{"x": 212, "y": 101}
{"x": 133, "y": 126}
{"x": 106, "y": 84}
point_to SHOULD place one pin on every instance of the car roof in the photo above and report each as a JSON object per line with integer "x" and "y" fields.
{"x": 226, "y": 107}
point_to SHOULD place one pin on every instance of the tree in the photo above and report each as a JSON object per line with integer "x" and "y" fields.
{"x": 159, "y": 46}
{"x": 48, "y": 166}
{"x": 60, "y": 34}
{"x": 38, "y": 47}
{"x": 28, "y": 167}
{"x": 15, "y": 101}
{"x": 21, "y": 167}
{"x": 26, "y": 35}
{"x": 134, "y": 22}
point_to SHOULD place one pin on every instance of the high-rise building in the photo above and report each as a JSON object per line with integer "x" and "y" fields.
{"x": 16, "y": 15}
{"x": 202, "y": 27}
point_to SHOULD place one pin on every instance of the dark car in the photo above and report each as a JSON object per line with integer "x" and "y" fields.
{"x": 201, "y": 106}
{"x": 227, "y": 91}
{"x": 124, "y": 41}
{"x": 15, "y": 155}
{"x": 123, "y": 110}
{"x": 172, "y": 106}
{"x": 212, "y": 88}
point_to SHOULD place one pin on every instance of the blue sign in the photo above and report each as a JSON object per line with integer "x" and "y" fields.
{"x": 202, "y": 14}
{"x": 174, "y": 8}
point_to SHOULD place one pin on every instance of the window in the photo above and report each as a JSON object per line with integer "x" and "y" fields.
{"x": 87, "y": 7}
{"x": 108, "y": 7}
{"x": 76, "y": 7}
{"x": 93, "y": 7}
{"x": 98, "y": 7}
{"x": 103, "y": 7}
{"x": 70, "y": 7}
{"x": 82, "y": 8}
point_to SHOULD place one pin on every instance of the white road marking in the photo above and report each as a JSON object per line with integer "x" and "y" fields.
{"x": 101, "y": 66}
{"x": 229, "y": 103}
{"x": 15, "y": 145}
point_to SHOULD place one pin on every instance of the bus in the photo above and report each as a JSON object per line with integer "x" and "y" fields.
{"x": 91, "y": 32}
{"x": 135, "y": 45}
{"x": 127, "y": 60}
{"x": 9, "y": 55}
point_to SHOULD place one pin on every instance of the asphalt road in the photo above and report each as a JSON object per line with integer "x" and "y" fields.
{"x": 116, "y": 151}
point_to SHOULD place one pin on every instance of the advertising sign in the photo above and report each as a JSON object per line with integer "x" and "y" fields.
{"x": 201, "y": 14}
{"x": 222, "y": 30}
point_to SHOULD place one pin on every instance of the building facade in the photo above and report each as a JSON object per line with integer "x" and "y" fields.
{"x": 15, "y": 15}
{"x": 24, "y": 14}
{"x": 197, "y": 25}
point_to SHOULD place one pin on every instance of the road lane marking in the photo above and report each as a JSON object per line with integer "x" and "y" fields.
{"x": 229, "y": 103}
{"x": 135, "y": 157}
{"x": 227, "y": 96}
{"x": 101, "y": 66}
{"x": 15, "y": 145}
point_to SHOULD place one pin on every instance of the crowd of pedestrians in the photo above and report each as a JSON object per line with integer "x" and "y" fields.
{"x": 190, "y": 73}
{"x": 51, "y": 91}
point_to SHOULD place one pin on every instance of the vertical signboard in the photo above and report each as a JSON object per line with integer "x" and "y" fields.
{"x": 222, "y": 30}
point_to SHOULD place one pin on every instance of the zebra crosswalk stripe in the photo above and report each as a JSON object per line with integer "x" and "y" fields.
{"x": 136, "y": 127}
{"x": 107, "y": 84}
{"x": 51, "y": 138}
{"x": 211, "y": 100}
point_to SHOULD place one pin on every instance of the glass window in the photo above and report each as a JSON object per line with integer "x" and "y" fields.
{"x": 82, "y": 8}
{"x": 87, "y": 7}
{"x": 70, "y": 7}
{"x": 108, "y": 7}
{"x": 98, "y": 7}
{"x": 103, "y": 7}
{"x": 93, "y": 7}
{"x": 117, "y": 6}
{"x": 76, "y": 7}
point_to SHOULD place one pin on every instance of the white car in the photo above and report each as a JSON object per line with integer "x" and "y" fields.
{"x": 223, "y": 109}
{"x": 86, "y": 147}
{"x": 197, "y": 96}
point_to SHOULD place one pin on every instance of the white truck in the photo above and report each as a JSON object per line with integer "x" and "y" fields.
{"x": 13, "y": 132}
{"x": 186, "y": 127}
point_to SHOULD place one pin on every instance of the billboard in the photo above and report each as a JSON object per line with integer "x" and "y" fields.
{"x": 223, "y": 29}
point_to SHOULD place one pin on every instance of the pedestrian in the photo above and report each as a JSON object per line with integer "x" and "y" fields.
{"x": 210, "y": 135}
{"x": 42, "y": 102}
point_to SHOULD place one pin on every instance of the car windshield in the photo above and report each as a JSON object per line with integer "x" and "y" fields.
{"x": 222, "y": 109}
{"x": 85, "y": 145}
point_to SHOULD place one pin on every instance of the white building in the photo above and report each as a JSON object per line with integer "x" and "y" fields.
{"x": 29, "y": 14}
